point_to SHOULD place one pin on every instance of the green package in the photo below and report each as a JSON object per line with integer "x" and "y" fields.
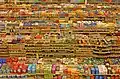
{"x": 81, "y": 1}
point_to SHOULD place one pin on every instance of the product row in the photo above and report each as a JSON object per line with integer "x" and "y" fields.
{"x": 60, "y": 68}
{"x": 60, "y": 11}
{"x": 66, "y": 43}
{"x": 61, "y": 38}
{"x": 57, "y": 24}
{"x": 61, "y": 1}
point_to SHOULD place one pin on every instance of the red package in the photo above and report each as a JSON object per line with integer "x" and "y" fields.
{"x": 106, "y": 13}
{"x": 22, "y": 41}
{"x": 112, "y": 77}
{"x": 38, "y": 37}
{"x": 59, "y": 77}
{"x": 65, "y": 71}
{"x": 9, "y": 60}
{"x": 44, "y": 0}
{"x": 11, "y": 18}
{"x": 108, "y": 0}
{"x": 118, "y": 71}
{"x": 117, "y": 34}
{"x": 74, "y": 9}
{"x": 118, "y": 39}
{"x": 12, "y": 69}
{"x": 15, "y": 59}
{"x": 19, "y": 71}
{"x": 15, "y": 68}
{"x": 14, "y": 63}
{"x": 21, "y": 13}
{"x": 57, "y": 21}
{"x": 24, "y": 68}
{"x": 92, "y": 77}
{"x": 19, "y": 65}
{"x": 66, "y": 15}
{"x": 116, "y": 77}
{"x": 55, "y": 78}
{"x": 3, "y": 35}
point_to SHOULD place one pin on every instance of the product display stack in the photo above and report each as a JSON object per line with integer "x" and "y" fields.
{"x": 59, "y": 39}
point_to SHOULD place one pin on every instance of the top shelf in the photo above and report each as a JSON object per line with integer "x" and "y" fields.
{"x": 58, "y": 2}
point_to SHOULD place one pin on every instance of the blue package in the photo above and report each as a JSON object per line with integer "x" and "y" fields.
{"x": 33, "y": 68}
{"x": 95, "y": 23}
{"x": 3, "y": 60}
{"x": 101, "y": 77}
{"x": 92, "y": 70}
{"x": 96, "y": 71}
{"x": 0, "y": 60}
{"x": 19, "y": 36}
{"x": 61, "y": 25}
{"x": 29, "y": 68}
{"x": 91, "y": 24}
{"x": 96, "y": 77}
{"x": 27, "y": 24}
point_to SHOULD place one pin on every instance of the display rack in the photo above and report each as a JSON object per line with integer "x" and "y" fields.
{"x": 54, "y": 30}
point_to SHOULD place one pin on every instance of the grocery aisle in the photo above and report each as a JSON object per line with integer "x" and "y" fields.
{"x": 59, "y": 39}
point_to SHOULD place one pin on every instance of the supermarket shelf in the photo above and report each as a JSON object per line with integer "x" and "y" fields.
{"x": 80, "y": 44}
{"x": 38, "y": 2}
{"x": 89, "y": 65}
{"x": 23, "y": 74}
{"x": 87, "y": 19}
{"x": 48, "y": 48}
{"x": 56, "y": 74}
{"x": 63, "y": 7}
{"x": 118, "y": 45}
{"x": 109, "y": 56}
{"x": 88, "y": 54}
{"x": 100, "y": 74}
{"x": 27, "y": 17}
{"x": 96, "y": 29}
{"x": 103, "y": 53}
{"x": 92, "y": 32}
{"x": 64, "y": 50}
{"x": 56, "y": 2}
{"x": 95, "y": 74}
{"x": 73, "y": 32}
